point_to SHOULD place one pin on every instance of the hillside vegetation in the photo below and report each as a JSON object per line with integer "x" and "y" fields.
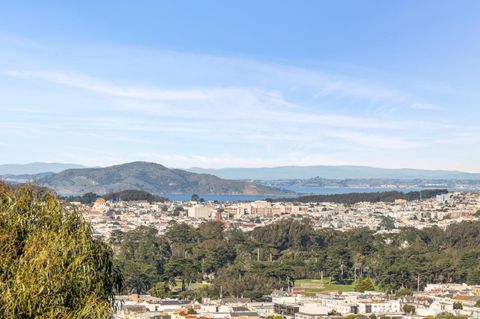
{"x": 149, "y": 177}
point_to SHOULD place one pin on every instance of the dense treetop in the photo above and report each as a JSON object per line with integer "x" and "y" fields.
{"x": 274, "y": 256}
{"x": 352, "y": 198}
{"x": 126, "y": 195}
{"x": 51, "y": 266}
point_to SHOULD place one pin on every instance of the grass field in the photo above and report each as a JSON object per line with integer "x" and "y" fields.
{"x": 313, "y": 286}
{"x": 193, "y": 285}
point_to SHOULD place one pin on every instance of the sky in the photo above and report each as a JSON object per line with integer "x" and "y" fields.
{"x": 246, "y": 83}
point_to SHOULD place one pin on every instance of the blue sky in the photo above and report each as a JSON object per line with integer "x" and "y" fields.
{"x": 241, "y": 83}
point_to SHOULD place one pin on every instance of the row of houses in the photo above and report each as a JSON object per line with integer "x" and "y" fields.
{"x": 455, "y": 299}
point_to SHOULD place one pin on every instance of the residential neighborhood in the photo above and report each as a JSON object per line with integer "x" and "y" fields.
{"x": 108, "y": 217}
{"x": 435, "y": 299}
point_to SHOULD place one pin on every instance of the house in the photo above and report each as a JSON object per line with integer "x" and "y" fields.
{"x": 286, "y": 310}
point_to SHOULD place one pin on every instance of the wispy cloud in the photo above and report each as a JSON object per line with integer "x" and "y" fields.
{"x": 257, "y": 108}
{"x": 213, "y": 111}
{"x": 227, "y": 102}
{"x": 89, "y": 83}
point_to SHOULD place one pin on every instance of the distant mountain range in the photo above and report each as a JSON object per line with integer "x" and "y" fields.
{"x": 334, "y": 172}
{"x": 74, "y": 179}
{"x": 150, "y": 177}
{"x": 35, "y": 168}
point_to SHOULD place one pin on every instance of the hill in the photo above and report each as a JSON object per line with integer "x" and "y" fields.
{"x": 333, "y": 172}
{"x": 35, "y": 168}
{"x": 149, "y": 177}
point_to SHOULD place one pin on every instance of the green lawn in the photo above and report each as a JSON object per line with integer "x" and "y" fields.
{"x": 339, "y": 287}
{"x": 313, "y": 286}
{"x": 193, "y": 285}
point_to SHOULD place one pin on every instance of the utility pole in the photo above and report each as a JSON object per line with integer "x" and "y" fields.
{"x": 418, "y": 281}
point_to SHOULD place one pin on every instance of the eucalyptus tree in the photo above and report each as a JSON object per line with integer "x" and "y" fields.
{"x": 50, "y": 264}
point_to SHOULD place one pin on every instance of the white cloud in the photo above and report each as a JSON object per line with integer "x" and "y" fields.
{"x": 89, "y": 83}
{"x": 241, "y": 107}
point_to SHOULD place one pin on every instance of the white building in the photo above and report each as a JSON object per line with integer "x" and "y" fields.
{"x": 200, "y": 212}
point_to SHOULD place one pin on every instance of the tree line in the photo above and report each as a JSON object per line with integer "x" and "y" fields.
{"x": 374, "y": 197}
{"x": 252, "y": 264}
{"x": 126, "y": 195}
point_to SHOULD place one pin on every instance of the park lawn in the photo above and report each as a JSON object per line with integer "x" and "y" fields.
{"x": 313, "y": 286}
{"x": 192, "y": 286}
{"x": 345, "y": 288}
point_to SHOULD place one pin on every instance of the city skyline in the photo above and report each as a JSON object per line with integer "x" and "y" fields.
{"x": 313, "y": 84}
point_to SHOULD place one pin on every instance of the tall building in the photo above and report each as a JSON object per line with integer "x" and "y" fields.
{"x": 200, "y": 212}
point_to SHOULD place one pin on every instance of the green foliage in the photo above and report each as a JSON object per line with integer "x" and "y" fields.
{"x": 253, "y": 294}
{"x": 477, "y": 213}
{"x": 387, "y": 223}
{"x": 477, "y": 304}
{"x": 372, "y": 316}
{"x": 334, "y": 313}
{"x": 364, "y": 284}
{"x": 457, "y": 305}
{"x": 356, "y": 316}
{"x": 198, "y": 293}
{"x": 86, "y": 198}
{"x": 404, "y": 292}
{"x": 133, "y": 195}
{"x": 160, "y": 290}
{"x": 285, "y": 234}
{"x": 141, "y": 258}
{"x": 277, "y": 255}
{"x": 51, "y": 266}
{"x": 126, "y": 195}
{"x": 181, "y": 235}
{"x": 116, "y": 237}
{"x": 447, "y": 315}
{"x": 211, "y": 230}
{"x": 181, "y": 267}
{"x": 408, "y": 309}
{"x": 353, "y": 198}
